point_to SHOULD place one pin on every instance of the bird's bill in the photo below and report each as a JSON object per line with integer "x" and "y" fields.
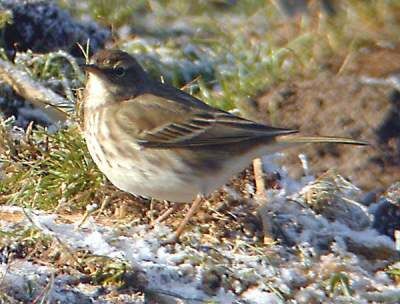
{"x": 91, "y": 68}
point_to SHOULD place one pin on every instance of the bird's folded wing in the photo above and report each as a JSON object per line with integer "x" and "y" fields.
{"x": 161, "y": 123}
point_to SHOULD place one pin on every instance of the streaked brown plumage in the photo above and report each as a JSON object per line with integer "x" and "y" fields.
{"x": 154, "y": 140}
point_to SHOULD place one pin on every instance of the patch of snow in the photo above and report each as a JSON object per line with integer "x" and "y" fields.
{"x": 318, "y": 250}
{"x": 257, "y": 296}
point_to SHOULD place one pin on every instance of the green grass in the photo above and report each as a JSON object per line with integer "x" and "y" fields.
{"x": 339, "y": 283}
{"x": 48, "y": 171}
{"x": 394, "y": 272}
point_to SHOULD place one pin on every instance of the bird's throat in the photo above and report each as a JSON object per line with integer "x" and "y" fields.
{"x": 97, "y": 94}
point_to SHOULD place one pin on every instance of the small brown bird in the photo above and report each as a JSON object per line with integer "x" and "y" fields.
{"x": 151, "y": 139}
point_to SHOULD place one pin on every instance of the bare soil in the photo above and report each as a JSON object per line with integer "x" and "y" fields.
{"x": 340, "y": 105}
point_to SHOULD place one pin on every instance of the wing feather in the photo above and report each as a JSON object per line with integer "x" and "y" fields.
{"x": 157, "y": 122}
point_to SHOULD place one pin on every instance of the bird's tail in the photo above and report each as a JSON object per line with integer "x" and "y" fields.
{"x": 284, "y": 142}
{"x": 319, "y": 139}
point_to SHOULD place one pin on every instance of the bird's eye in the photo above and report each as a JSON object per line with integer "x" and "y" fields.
{"x": 119, "y": 71}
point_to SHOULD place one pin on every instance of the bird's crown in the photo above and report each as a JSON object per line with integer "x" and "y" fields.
{"x": 115, "y": 63}
{"x": 113, "y": 59}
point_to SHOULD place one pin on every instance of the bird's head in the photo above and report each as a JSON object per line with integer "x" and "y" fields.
{"x": 113, "y": 75}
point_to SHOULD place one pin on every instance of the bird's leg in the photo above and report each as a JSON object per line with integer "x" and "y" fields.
{"x": 166, "y": 214}
{"x": 259, "y": 178}
{"x": 151, "y": 210}
{"x": 195, "y": 206}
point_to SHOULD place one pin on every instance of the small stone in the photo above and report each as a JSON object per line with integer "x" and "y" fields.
{"x": 334, "y": 198}
{"x": 369, "y": 198}
{"x": 211, "y": 281}
{"x": 376, "y": 252}
{"x": 387, "y": 214}
{"x": 393, "y": 194}
{"x": 251, "y": 226}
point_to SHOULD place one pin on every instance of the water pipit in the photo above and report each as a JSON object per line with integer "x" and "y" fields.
{"x": 154, "y": 140}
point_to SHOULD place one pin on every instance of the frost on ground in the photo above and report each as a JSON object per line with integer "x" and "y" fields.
{"x": 318, "y": 247}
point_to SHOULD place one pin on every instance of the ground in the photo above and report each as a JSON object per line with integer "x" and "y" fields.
{"x": 337, "y": 105}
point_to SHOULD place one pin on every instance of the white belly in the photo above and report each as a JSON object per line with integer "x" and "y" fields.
{"x": 145, "y": 177}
